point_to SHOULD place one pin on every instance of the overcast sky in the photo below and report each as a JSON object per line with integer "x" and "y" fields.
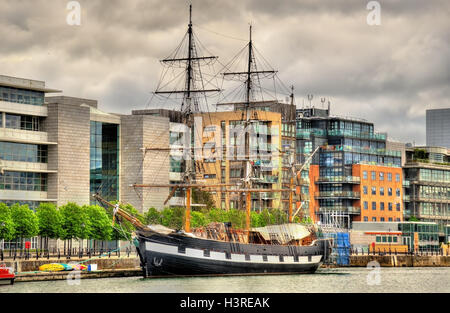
{"x": 388, "y": 74}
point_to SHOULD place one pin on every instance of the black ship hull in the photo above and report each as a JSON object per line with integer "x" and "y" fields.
{"x": 181, "y": 255}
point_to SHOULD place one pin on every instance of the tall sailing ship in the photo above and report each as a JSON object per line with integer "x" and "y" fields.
{"x": 220, "y": 249}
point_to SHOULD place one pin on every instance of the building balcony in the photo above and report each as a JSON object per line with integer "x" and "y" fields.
{"x": 337, "y": 194}
{"x": 15, "y": 166}
{"x": 23, "y": 109}
{"x": 406, "y": 183}
{"x": 439, "y": 199}
{"x": 356, "y": 134}
{"x": 356, "y": 149}
{"x": 24, "y": 136}
{"x": 346, "y": 209}
{"x": 177, "y": 201}
{"x": 338, "y": 179}
{"x": 406, "y": 198}
{"x": 23, "y": 195}
{"x": 175, "y": 176}
{"x": 267, "y": 179}
{"x": 306, "y": 133}
{"x": 263, "y": 195}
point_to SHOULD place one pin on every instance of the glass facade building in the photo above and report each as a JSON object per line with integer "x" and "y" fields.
{"x": 104, "y": 160}
{"x": 343, "y": 143}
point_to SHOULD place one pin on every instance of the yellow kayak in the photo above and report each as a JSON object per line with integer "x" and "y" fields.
{"x": 54, "y": 267}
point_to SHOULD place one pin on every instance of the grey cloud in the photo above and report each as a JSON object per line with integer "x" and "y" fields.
{"x": 388, "y": 74}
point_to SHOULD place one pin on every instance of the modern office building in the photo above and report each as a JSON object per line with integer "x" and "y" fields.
{"x": 25, "y": 142}
{"x": 427, "y": 185}
{"x": 353, "y": 177}
{"x": 438, "y": 128}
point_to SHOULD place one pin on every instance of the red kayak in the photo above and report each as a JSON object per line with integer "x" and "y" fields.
{"x": 7, "y": 273}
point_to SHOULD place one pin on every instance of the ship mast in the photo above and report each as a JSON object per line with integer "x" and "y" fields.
{"x": 250, "y": 73}
{"x": 189, "y": 106}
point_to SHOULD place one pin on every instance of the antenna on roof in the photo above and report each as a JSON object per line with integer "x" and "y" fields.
{"x": 323, "y": 101}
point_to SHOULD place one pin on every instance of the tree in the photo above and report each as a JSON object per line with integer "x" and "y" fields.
{"x": 237, "y": 218}
{"x": 100, "y": 223}
{"x": 49, "y": 221}
{"x": 255, "y": 219}
{"x": 6, "y": 223}
{"x": 198, "y": 219}
{"x": 217, "y": 215}
{"x": 25, "y": 221}
{"x": 173, "y": 217}
{"x": 203, "y": 197}
{"x": 152, "y": 216}
{"x": 420, "y": 154}
{"x": 75, "y": 222}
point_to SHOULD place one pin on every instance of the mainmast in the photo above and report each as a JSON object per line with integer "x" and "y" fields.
{"x": 247, "y": 119}
{"x": 190, "y": 103}
{"x": 192, "y": 72}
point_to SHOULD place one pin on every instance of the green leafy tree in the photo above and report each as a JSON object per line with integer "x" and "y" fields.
{"x": 198, "y": 219}
{"x": 203, "y": 197}
{"x": 217, "y": 215}
{"x": 75, "y": 222}
{"x": 237, "y": 218}
{"x": 25, "y": 221}
{"x": 173, "y": 217}
{"x": 266, "y": 218}
{"x": 6, "y": 223}
{"x": 100, "y": 223}
{"x": 152, "y": 216}
{"x": 49, "y": 221}
{"x": 256, "y": 219}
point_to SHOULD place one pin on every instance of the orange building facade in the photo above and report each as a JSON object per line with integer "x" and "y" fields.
{"x": 375, "y": 192}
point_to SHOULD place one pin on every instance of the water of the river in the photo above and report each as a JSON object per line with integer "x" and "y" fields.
{"x": 342, "y": 280}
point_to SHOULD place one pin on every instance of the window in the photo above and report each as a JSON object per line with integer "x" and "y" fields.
{"x": 390, "y": 219}
{"x": 397, "y": 178}
{"x": 374, "y": 219}
{"x": 390, "y": 206}
{"x": 366, "y": 219}
{"x": 389, "y": 191}
{"x": 389, "y": 176}
{"x": 365, "y": 190}
{"x": 382, "y": 219}
{"x": 374, "y": 175}
{"x": 381, "y": 176}
{"x": 381, "y": 191}
{"x": 16, "y": 95}
{"x": 382, "y": 206}
{"x": 23, "y": 181}
{"x": 374, "y": 205}
{"x": 384, "y": 239}
{"x": 397, "y": 219}
{"x": 394, "y": 239}
{"x": 25, "y": 122}
{"x": 398, "y": 206}
{"x": 20, "y": 152}
{"x": 366, "y": 205}
{"x": 397, "y": 192}
{"x": 364, "y": 174}
{"x": 374, "y": 191}
{"x": 378, "y": 239}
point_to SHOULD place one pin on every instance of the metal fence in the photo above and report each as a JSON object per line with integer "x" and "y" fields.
{"x": 38, "y": 254}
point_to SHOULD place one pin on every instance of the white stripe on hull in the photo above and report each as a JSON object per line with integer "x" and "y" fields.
{"x": 220, "y": 256}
